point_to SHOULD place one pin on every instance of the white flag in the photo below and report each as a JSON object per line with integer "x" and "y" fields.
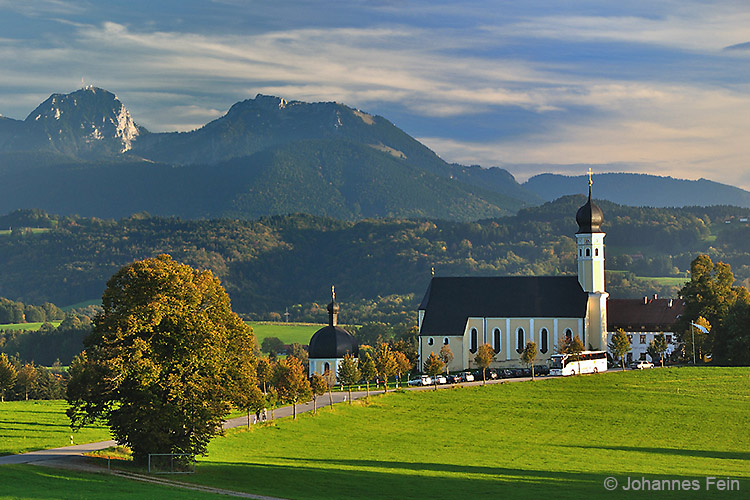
{"x": 701, "y": 328}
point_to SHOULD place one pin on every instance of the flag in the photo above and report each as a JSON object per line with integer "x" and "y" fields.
{"x": 701, "y": 328}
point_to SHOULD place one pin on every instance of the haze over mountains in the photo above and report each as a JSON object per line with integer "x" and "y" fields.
{"x": 83, "y": 153}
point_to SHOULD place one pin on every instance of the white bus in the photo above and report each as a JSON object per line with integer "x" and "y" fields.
{"x": 584, "y": 362}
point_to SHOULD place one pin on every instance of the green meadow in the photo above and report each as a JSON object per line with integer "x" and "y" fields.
{"x": 558, "y": 438}
{"x": 38, "y": 425}
{"x": 286, "y": 332}
{"x": 27, "y": 326}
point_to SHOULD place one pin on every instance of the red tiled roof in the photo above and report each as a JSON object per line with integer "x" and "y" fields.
{"x": 643, "y": 315}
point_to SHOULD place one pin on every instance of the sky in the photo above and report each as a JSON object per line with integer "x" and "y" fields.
{"x": 659, "y": 87}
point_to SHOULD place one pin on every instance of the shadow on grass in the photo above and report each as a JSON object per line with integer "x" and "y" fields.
{"x": 724, "y": 455}
{"x": 371, "y": 479}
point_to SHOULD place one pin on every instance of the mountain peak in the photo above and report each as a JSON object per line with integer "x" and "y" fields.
{"x": 90, "y": 119}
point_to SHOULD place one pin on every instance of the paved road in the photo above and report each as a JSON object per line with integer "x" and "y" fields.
{"x": 338, "y": 397}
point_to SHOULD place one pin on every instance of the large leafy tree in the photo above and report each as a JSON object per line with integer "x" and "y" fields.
{"x": 291, "y": 383}
{"x": 166, "y": 361}
{"x": 732, "y": 339}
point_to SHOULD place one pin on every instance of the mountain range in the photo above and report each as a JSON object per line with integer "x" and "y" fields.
{"x": 82, "y": 153}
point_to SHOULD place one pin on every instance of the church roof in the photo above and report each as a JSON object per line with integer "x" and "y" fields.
{"x": 332, "y": 342}
{"x": 589, "y": 217}
{"x": 450, "y": 301}
{"x": 643, "y": 315}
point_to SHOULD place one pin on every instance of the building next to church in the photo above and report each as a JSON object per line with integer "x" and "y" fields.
{"x": 329, "y": 344}
{"x": 644, "y": 319}
{"x": 509, "y": 311}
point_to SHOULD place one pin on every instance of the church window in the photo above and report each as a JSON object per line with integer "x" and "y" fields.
{"x": 474, "y": 340}
{"x": 568, "y": 335}
{"x": 430, "y": 341}
{"x": 630, "y": 338}
{"x": 596, "y": 252}
{"x": 496, "y": 339}
{"x": 327, "y": 367}
{"x": 643, "y": 339}
{"x": 520, "y": 344}
{"x": 588, "y": 252}
{"x": 580, "y": 252}
{"x": 544, "y": 340}
{"x": 445, "y": 341}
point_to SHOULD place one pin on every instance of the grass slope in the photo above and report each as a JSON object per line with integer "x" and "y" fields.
{"x": 34, "y": 482}
{"x": 559, "y": 438}
{"x": 27, "y": 326}
{"x": 38, "y": 425}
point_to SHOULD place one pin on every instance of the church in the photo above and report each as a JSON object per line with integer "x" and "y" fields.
{"x": 330, "y": 344}
{"x": 509, "y": 311}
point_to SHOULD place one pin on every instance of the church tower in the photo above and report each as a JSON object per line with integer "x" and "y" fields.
{"x": 590, "y": 247}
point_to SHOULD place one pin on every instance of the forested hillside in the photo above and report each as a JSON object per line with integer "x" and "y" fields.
{"x": 274, "y": 263}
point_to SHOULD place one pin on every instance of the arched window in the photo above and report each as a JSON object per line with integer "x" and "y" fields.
{"x": 580, "y": 252}
{"x": 520, "y": 343}
{"x": 326, "y": 367}
{"x": 543, "y": 335}
{"x": 596, "y": 252}
{"x": 474, "y": 340}
{"x": 588, "y": 252}
{"x": 568, "y": 335}
{"x": 446, "y": 341}
{"x": 496, "y": 339}
{"x": 430, "y": 341}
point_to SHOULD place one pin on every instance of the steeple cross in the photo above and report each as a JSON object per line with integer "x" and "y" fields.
{"x": 590, "y": 173}
{"x": 333, "y": 293}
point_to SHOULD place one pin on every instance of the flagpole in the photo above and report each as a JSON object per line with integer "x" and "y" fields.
{"x": 692, "y": 329}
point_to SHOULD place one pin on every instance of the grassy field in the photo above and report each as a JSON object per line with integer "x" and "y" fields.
{"x": 26, "y": 326}
{"x": 287, "y": 332}
{"x": 37, "y": 425}
{"x": 34, "y": 482}
{"x": 554, "y": 438}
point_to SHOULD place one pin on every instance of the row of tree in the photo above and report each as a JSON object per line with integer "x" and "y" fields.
{"x": 28, "y": 381}
{"x": 17, "y": 312}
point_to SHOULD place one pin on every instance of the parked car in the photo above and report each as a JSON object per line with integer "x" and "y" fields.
{"x": 643, "y": 365}
{"x": 453, "y": 379}
{"x": 422, "y": 380}
{"x": 467, "y": 377}
{"x": 442, "y": 379}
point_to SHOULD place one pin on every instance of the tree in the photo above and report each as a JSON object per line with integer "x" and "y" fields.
{"x": 433, "y": 366}
{"x": 164, "y": 361}
{"x": 318, "y": 387}
{"x": 264, "y": 372}
{"x": 403, "y": 364}
{"x": 385, "y": 363}
{"x": 272, "y": 398}
{"x": 291, "y": 383}
{"x": 349, "y": 373}
{"x": 298, "y": 351}
{"x": 528, "y": 356}
{"x": 620, "y": 346}
{"x": 367, "y": 369}
{"x": 272, "y": 345}
{"x": 7, "y": 376}
{"x": 446, "y": 356}
{"x": 330, "y": 380}
{"x": 27, "y": 378}
{"x": 485, "y": 355}
{"x": 573, "y": 347}
{"x": 732, "y": 339}
{"x": 252, "y": 401}
{"x": 658, "y": 346}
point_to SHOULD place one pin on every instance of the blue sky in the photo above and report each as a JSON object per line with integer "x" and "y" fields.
{"x": 534, "y": 86}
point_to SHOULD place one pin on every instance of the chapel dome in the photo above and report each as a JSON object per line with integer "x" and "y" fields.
{"x": 589, "y": 217}
{"x": 332, "y": 342}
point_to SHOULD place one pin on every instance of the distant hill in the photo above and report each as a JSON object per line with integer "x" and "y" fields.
{"x": 641, "y": 190}
{"x": 82, "y": 153}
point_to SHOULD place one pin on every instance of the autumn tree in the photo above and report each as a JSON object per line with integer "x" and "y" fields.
{"x": 403, "y": 364}
{"x": 164, "y": 361}
{"x": 291, "y": 383}
{"x": 318, "y": 387}
{"x": 573, "y": 346}
{"x": 385, "y": 363}
{"x": 26, "y": 377}
{"x": 446, "y": 356}
{"x": 658, "y": 346}
{"x": 252, "y": 400}
{"x": 619, "y": 346}
{"x": 264, "y": 372}
{"x": 7, "y": 376}
{"x": 528, "y": 356}
{"x": 433, "y": 366}
{"x": 696, "y": 340}
{"x": 485, "y": 355}
{"x": 349, "y": 373}
{"x": 367, "y": 369}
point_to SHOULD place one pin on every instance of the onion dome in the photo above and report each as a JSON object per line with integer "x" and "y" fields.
{"x": 332, "y": 341}
{"x": 589, "y": 217}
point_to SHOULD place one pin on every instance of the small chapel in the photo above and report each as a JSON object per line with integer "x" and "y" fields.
{"x": 509, "y": 311}
{"x": 329, "y": 344}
